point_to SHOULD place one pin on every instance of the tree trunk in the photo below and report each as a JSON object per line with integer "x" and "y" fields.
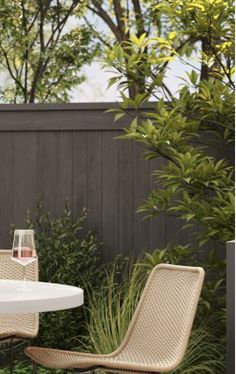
{"x": 206, "y": 71}
{"x": 137, "y": 87}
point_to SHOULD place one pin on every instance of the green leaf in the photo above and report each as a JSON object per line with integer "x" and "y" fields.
{"x": 134, "y": 124}
{"x": 202, "y": 242}
{"x": 172, "y": 35}
{"x": 188, "y": 216}
{"x": 118, "y": 116}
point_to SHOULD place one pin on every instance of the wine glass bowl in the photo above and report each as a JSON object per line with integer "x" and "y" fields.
{"x": 23, "y": 248}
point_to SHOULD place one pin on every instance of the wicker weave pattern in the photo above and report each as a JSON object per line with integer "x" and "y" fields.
{"x": 17, "y": 325}
{"x": 162, "y": 327}
{"x": 158, "y": 333}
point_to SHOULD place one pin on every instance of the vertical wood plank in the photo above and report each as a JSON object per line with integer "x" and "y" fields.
{"x": 141, "y": 189}
{"x": 80, "y": 172}
{"x": 110, "y": 195}
{"x": 64, "y": 170}
{"x": 24, "y": 175}
{"x": 47, "y": 170}
{"x": 80, "y": 169}
{"x": 94, "y": 202}
{"x": 125, "y": 199}
{"x": 6, "y": 187}
{"x": 157, "y": 228}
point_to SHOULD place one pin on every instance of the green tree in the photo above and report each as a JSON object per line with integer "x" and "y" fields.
{"x": 191, "y": 129}
{"x": 41, "y": 52}
{"x": 122, "y": 18}
{"x": 204, "y": 24}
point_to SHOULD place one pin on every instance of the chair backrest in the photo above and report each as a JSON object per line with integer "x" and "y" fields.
{"x": 18, "y": 325}
{"x": 159, "y": 331}
{"x": 10, "y": 269}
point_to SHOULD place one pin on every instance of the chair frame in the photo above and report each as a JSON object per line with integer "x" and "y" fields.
{"x": 94, "y": 362}
{"x": 15, "y": 336}
{"x": 11, "y": 350}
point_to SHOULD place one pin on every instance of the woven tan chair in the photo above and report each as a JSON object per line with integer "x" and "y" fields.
{"x": 17, "y": 326}
{"x": 158, "y": 334}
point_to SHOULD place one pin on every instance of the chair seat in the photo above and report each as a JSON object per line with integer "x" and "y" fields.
{"x": 19, "y": 325}
{"x": 61, "y": 359}
{"x": 158, "y": 334}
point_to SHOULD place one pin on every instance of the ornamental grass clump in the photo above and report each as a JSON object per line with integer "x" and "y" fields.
{"x": 205, "y": 354}
{"x": 111, "y": 309}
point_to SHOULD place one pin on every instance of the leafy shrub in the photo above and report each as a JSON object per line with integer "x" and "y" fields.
{"x": 66, "y": 255}
{"x": 25, "y": 367}
{"x": 191, "y": 130}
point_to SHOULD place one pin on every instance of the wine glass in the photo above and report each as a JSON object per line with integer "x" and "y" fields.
{"x": 23, "y": 249}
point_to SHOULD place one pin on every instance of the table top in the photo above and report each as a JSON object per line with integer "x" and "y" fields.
{"x": 37, "y": 297}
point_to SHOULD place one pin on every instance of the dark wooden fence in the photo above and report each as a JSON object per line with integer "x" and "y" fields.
{"x": 70, "y": 150}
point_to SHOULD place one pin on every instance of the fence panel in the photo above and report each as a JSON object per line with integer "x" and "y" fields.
{"x": 69, "y": 151}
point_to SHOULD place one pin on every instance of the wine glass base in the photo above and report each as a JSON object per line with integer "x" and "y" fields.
{"x": 24, "y": 287}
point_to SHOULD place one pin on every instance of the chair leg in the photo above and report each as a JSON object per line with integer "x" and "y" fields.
{"x": 34, "y": 367}
{"x": 11, "y": 355}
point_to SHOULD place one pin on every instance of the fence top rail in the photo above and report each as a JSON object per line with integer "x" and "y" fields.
{"x": 65, "y": 106}
{"x": 57, "y": 107}
{"x": 62, "y": 117}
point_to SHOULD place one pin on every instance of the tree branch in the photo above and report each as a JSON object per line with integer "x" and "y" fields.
{"x": 96, "y": 33}
{"x": 42, "y": 65}
{"x": 58, "y": 29}
{"x": 120, "y": 18}
{"x": 33, "y": 22}
{"x": 222, "y": 66}
{"x": 42, "y": 50}
{"x": 25, "y": 50}
{"x": 138, "y": 17}
{"x": 18, "y": 83}
{"x": 162, "y": 68}
{"x": 106, "y": 18}
{"x": 53, "y": 84}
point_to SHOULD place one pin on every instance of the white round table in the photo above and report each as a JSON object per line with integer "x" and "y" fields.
{"x": 37, "y": 297}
